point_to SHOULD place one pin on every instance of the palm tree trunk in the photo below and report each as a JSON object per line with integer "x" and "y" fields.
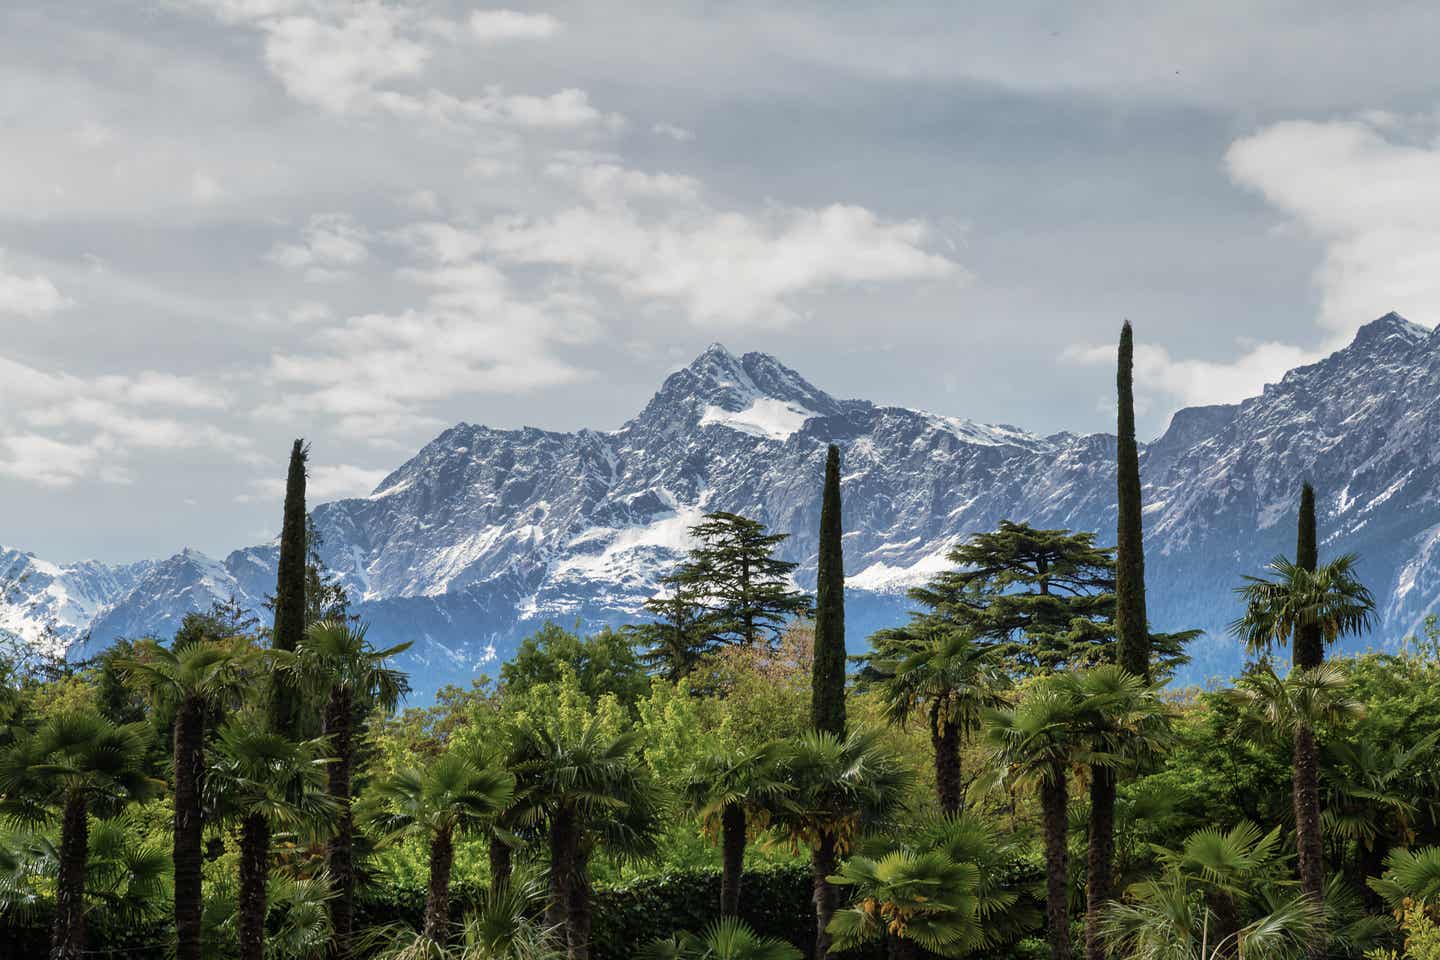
{"x": 1226, "y": 914}
{"x": 501, "y": 862}
{"x": 1099, "y": 859}
{"x": 732, "y": 858}
{"x": 562, "y": 868}
{"x": 1053, "y": 801}
{"x": 822, "y": 865}
{"x": 945, "y": 738}
{"x": 67, "y": 939}
{"x": 254, "y": 875}
{"x": 437, "y": 897}
{"x": 339, "y": 851}
{"x": 578, "y": 909}
{"x": 1309, "y": 843}
{"x": 189, "y": 828}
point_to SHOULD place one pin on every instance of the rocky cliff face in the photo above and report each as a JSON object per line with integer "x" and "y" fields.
{"x": 486, "y": 533}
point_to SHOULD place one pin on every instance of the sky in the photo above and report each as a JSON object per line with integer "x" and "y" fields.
{"x": 228, "y": 223}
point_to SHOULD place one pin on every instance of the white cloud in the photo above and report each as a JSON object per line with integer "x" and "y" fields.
{"x": 495, "y": 25}
{"x": 337, "y": 65}
{"x": 333, "y": 481}
{"x": 677, "y": 133}
{"x": 332, "y": 244}
{"x": 31, "y": 296}
{"x": 1199, "y": 382}
{"x": 41, "y": 460}
{"x": 652, "y": 237}
{"x": 1370, "y": 196}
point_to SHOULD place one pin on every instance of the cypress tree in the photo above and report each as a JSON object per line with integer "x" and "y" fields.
{"x": 1132, "y": 638}
{"x": 1131, "y": 630}
{"x": 827, "y": 690}
{"x": 290, "y": 587}
{"x": 1309, "y": 646}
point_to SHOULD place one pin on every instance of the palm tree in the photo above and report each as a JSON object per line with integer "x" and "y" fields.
{"x": 840, "y": 787}
{"x": 944, "y": 674}
{"x": 1163, "y": 919}
{"x": 454, "y": 794}
{"x": 1307, "y": 605}
{"x": 728, "y": 938}
{"x": 733, "y": 794}
{"x": 589, "y": 789}
{"x": 1295, "y": 707}
{"x": 1372, "y": 793}
{"x": 297, "y": 924}
{"x": 1124, "y": 722}
{"x": 503, "y": 926}
{"x": 1040, "y": 741}
{"x": 336, "y": 663}
{"x": 1412, "y": 875}
{"x": 74, "y": 759}
{"x": 269, "y": 783}
{"x": 187, "y": 682}
{"x": 1227, "y": 868}
{"x": 917, "y": 900}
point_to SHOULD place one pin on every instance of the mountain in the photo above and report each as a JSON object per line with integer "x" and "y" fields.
{"x": 486, "y": 533}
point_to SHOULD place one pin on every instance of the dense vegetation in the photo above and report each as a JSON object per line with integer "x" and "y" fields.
{"x": 1004, "y": 775}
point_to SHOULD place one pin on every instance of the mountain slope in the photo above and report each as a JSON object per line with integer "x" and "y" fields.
{"x": 485, "y": 533}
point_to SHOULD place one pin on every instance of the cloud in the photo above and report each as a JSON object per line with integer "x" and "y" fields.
{"x": 652, "y": 237}
{"x": 498, "y": 25}
{"x": 333, "y": 481}
{"x": 332, "y": 244}
{"x": 678, "y": 134}
{"x": 1199, "y": 382}
{"x": 1369, "y": 191}
{"x": 30, "y": 297}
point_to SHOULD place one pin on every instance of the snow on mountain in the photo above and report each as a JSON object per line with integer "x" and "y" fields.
{"x": 486, "y": 533}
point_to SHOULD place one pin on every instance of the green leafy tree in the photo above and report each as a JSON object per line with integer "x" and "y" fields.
{"x": 455, "y": 794}
{"x": 918, "y": 901}
{"x": 75, "y": 759}
{"x": 827, "y": 696}
{"x": 747, "y": 590}
{"x": 187, "y": 682}
{"x": 1301, "y": 605}
{"x": 257, "y": 775}
{"x": 839, "y": 787}
{"x": 944, "y": 675}
{"x": 603, "y": 663}
{"x": 674, "y": 643}
{"x": 337, "y": 664}
{"x": 733, "y": 794}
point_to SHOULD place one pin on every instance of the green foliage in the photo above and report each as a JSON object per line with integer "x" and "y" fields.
{"x": 602, "y": 665}
{"x": 828, "y": 688}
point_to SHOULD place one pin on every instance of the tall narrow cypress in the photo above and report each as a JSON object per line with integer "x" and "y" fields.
{"x": 1309, "y": 653}
{"x": 290, "y": 587}
{"x": 289, "y": 628}
{"x": 1132, "y": 638}
{"x": 1132, "y": 633}
{"x": 827, "y": 691}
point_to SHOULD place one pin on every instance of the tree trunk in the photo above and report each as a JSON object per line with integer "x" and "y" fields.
{"x": 254, "y": 876}
{"x": 1099, "y": 859}
{"x": 437, "y": 896}
{"x": 189, "y": 827}
{"x": 339, "y": 850}
{"x": 1309, "y": 844}
{"x": 562, "y": 868}
{"x": 1053, "y": 801}
{"x": 501, "y": 862}
{"x": 822, "y": 865}
{"x": 732, "y": 858}
{"x": 67, "y": 940}
{"x": 1226, "y": 923}
{"x": 578, "y": 939}
{"x": 945, "y": 738}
